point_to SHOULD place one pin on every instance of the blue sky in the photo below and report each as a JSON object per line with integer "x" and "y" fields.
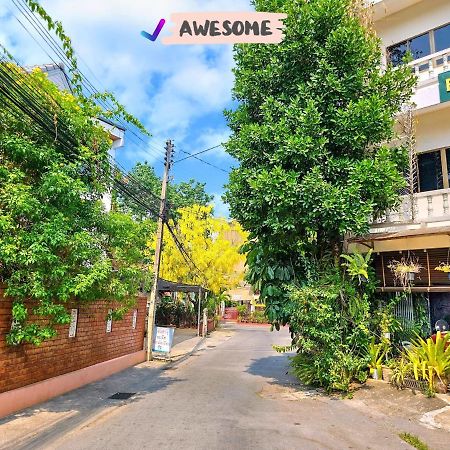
{"x": 178, "y": 92}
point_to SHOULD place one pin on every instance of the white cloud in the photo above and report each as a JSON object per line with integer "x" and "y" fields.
{"x": 221, "y": 209}
{"x": 168, "y": 87}
{"x": 212, "y": 137}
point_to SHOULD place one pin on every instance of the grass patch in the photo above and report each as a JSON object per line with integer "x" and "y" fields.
{"x": 414, "y": 441}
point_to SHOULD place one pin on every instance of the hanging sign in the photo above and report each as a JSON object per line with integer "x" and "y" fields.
{"x": 109, "y": 322}
{"x": 73, "y": 323}
{"x": 163, "y": 339}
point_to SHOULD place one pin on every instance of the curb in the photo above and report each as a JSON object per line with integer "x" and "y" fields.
{"x": 187, "y": 355}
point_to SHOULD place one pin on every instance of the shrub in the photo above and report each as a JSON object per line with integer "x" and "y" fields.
{"x": 431, "y": 360}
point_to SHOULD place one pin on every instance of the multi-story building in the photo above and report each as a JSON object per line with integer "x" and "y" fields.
{"x": 419, "y": 231}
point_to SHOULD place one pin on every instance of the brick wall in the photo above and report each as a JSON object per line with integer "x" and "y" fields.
{"x": 26, "y": 364}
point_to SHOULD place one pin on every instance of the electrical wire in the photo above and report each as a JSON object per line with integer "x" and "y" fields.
{"x": 26, "y": 11}
{"x": 193, "y": 155}
{"x": 203, "y": 161}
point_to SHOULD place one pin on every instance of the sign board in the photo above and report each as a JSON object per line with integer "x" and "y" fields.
{"x": 134, "y": 319}
{"x": 73, "y": 323}
{"x": 109, "y": 322}
{"x": 444, "y": 87}
{"x": 163, "y": 339}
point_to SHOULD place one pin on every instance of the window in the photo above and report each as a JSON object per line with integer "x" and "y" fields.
{"x": 420, "y": 46}
{"x": 397, "y": 53}
{"x": 447, "y": 153}
{"x": 442, "y": 38}
{"x": 430, "y": 171}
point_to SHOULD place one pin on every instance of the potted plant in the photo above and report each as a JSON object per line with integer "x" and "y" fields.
{"x": 376, "y": 353}
{"x": 444, "y": 267}
{"x": 405, "y": 270}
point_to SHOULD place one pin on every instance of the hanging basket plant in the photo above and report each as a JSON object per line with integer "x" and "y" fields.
{"x": 405, "y": 270}
{"x": 444, "y": 267}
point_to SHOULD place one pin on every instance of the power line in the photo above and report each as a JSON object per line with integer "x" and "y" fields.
{"x": 28, "y": 102}
{"x": 30, "y": 16}
{"x": 199, "y": 153}
{"x": 203, "y": 161}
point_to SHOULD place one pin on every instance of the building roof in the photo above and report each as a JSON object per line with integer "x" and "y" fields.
{"x": 56, "y": 73}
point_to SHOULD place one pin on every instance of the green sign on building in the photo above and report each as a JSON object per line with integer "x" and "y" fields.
{"x": 444, "y": 87}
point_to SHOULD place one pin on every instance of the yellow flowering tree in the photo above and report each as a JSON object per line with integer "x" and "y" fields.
{"x": 212, "y": 243}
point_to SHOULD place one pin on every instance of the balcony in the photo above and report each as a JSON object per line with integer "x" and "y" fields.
{"x": 423, "y": 210}
{"x": 427, "y": 70}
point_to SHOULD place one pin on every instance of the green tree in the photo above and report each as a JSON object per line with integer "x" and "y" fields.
{"x": 310, "y": 130}
{"x": 143, "y": 179}
{"x": 57, "y": 243}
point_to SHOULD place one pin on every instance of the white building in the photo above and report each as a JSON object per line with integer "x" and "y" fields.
{"x": 420, "y": 229}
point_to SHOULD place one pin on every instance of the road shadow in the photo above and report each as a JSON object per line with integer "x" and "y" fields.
{"x": 275, "y": 369}
{"x": 92, "y": 399}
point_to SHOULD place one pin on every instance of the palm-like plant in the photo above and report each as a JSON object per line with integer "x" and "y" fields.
{"x": 358, "y": 265}
{"x": 376, "y": 354}
{"x": 431, "y": 359}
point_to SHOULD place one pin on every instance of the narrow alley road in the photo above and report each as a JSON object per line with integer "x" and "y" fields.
{"x": 231, "y": 394}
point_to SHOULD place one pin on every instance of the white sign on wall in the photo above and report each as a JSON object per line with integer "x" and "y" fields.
{"x": 134, "y": 319}
{"x": 73, "y": 323}
{"x": 109, "y": 321}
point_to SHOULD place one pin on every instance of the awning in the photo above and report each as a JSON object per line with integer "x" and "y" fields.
{"x": 172, "y": 286}
{"x": 429, "y": 231}
{"x": 412, "y": 239}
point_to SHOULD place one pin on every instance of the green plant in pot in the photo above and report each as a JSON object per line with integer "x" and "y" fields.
{"x": 376, "y": 353}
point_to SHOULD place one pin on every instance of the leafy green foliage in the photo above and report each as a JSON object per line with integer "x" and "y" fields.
{"x": 358, "y": 265}
{"x": 310, "y": 130}
{"x": 401, "y": 369}
{"x": 57, "y": 243}
{"x": 143, "y": 178}
{"x": 332, "y": 338}
{"x": 176, "y": 312}
{"x": 313, "y": 114}
{"x": 376, "y": 353}
{"x": 431, "y": 360}
{"x": 413, "y": 441}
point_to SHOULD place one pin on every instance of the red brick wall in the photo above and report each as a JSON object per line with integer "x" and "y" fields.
{"x": 26, "y": 364}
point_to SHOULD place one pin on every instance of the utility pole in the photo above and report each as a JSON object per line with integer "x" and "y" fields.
{"x": 158, "y": 249}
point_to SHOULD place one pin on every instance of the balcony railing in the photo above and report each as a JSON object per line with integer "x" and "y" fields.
{"x": 425, "y": 207}
{"x": 432, "y": 65}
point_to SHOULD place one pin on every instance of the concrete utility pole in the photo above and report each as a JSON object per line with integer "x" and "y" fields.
{"x": 159, "y": 240}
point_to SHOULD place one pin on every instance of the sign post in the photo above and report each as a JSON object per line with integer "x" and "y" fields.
{"x": 162, "y": 341}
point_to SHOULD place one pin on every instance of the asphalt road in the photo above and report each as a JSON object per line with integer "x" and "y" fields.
{"x": 232, "y": 394}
